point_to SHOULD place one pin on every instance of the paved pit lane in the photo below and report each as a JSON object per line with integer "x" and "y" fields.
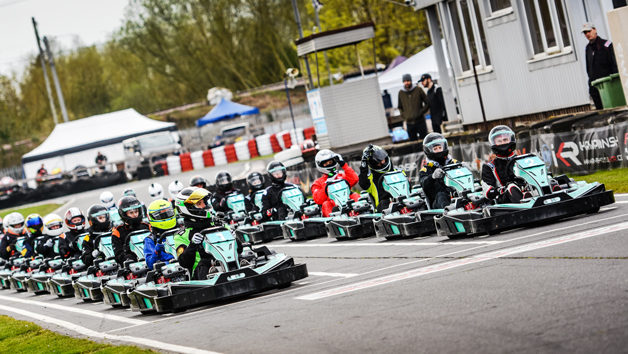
{"x": 560, "y": 287}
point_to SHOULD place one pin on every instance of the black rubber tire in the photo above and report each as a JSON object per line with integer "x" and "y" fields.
{"x": 284, "y": 286}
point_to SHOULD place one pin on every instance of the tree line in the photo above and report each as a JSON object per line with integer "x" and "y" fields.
{"x": 170, "y": 52}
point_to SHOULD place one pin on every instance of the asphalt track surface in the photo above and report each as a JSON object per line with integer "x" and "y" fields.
{"x": 560, "y": 287}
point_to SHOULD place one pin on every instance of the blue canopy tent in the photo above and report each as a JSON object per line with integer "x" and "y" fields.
{"x": 226, "y": 110}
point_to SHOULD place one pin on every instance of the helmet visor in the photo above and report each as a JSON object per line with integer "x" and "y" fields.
{"x": 278, "y": 172}
{"x": 155, "y": 194}
{"x": 223, "y": 180}
{"x": 501, "y": 137}
{"x": 198, "y": 195}
{"x": 101, "y": 216}
{"x": 17, "y": 226}
{"x": 55, "y": 225}
{"x": 162, "y": 214}
{"x": 436, "y": 146}
{"x": 256, "y": 181}
{"x": 327, "y": 163}
{"x": 34, "y": 224}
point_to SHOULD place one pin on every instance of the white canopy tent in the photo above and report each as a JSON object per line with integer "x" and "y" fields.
{"x": 77, "y": 143}
{"x": 421, "y": 63}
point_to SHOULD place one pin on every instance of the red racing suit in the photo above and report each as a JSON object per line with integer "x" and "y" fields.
{"x": 320, "y": 195}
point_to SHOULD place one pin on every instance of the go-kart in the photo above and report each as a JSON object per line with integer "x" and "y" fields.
{"x": 255, "y": 229}
{"x": 305, "y": 220}
{"x": 88, "y": 286}
{"x": 350, "y": 219}
{"x": 60, "y": 283}
{"x": 135, "y": 273}
{"x": 14, "y": 264}
{"x": 546, "y": 204}
{"x": 20, "y": 277}
{"x": 267, "y": 271}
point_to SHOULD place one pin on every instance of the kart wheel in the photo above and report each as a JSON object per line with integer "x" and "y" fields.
{"x": 457, "y": 237}
{"x": 593, "y": 211}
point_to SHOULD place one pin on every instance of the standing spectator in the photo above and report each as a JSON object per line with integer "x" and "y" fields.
{"x": 413, "y": 104}
{"x": 600, "y": 58}
{"x": 101, "y": 160}
{"x": 42, "y": 171}
{"x": 437, "y": 103}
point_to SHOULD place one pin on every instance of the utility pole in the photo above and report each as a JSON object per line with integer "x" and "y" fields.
{"x": 55, "y": 78}
{"x": 297, "y": 18}
{"x": 318, "y": 24}
{"x": 46, "y": 80}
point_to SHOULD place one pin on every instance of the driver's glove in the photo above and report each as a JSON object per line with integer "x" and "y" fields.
{"x": 197, "y": 238}
{"x": 438, "y": 173}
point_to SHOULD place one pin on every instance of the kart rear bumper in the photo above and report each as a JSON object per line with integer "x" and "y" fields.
{"x": 263, "y": 233}
{"x": 178, "y": 297}
{"x": 90, "y": 288}
{"x": 351, "y": 228}
{"x": 474, "y": 222}
{"x": 403, "y": 226}
{"x": 61, "y": 286}
{"x": 115, "y": 293}
{"x": 304, "y": 229}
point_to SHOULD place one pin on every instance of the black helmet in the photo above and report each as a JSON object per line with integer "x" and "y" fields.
{"x": 196, "y": 180}
{"x": 502, "y": 140}
{"x": 223, "y": 181}
{"x": 276, "y": 172}
{"x": 379, "y": 160}
{"x": 431, "y": 142}
{"x": 127, "y": 204}
{"x": 255, "y": 181}
{"x": 98, "y": 218}
{"x": 129, "y": 192}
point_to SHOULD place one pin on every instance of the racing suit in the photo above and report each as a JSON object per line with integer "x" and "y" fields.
{"x": 319, "y": 190}
{"x": 90, "y": 243}
{"x": 154, "y": 250}
{"x": 498, "y": 184}
{"x": 435, "y": 189}
{"x": 370, "y": 181}
{"x": 271, "y": 199}
{"x": 249, "y": 201}
{"x": 67, "y": 244}
{"x": 7, "y": 246}
{"x": 44, "y": 250}
{"x": 120, "y": 241}
{"x": 219, "y": 200}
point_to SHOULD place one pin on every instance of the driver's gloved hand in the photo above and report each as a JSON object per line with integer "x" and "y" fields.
{"x": 160, "y": 247}
{"x": 48, "y": 243}
{"x": 339, "y": 159}
{"x": 197, "y": 238}
{"x": 95, "y": 253}
{"x": 438, "y": 173}
{"x": 466, "y": 165}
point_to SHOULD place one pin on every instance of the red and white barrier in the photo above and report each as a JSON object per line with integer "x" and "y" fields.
{"x": 197, "y": 160}
{"x": 208, "y": 158}
{"x": 252, "y": 145}
{"x": 174, "y": 164}
{"x": 219, "y": 156}
{"x": 264, "y": 147}
{"x": 242, "y": 150}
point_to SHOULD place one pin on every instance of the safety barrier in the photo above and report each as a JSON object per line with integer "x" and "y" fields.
{"x": 186, "y": 162}
{"x": 252, "y": 145}
{"x": 285, "y": 139}
{"x": 208, "y": 158}
{"x": 308, "y": 132}
{"x": 197, "y": 160}
{"x": 274, "y": 142}
{"x": 220, "y": 158}
{"x": 242, "y": 150}
{"x": 174, "y": 164}
{"x": 231, "y": 153}
{"x": 264, "y": 146}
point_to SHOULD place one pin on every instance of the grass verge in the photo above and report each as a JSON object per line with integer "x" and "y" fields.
{"x": 42, "y": 210}
{"x": 616, "y": 179}
{"x": 26, "y": 337}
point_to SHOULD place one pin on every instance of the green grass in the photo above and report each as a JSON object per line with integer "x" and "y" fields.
{"x": 27, "y": 337}
{"x": 616, "y": 179}
{"x": 42, "y": 210}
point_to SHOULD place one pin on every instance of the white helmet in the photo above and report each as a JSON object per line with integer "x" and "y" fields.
{"x": 53, "y": 225}
{"x": 156, "y": 191}
{"x": 106, "y": 198}
{"x": 14, "y": 223}
{"x": 326, "y": 162}
{"x": 174, "y": 188}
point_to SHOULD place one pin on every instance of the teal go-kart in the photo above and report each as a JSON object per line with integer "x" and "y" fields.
{"x": 267, "y": 271}
{"x": 60, "y": 283}
{"x": 13, "y": 265}
{"x": 19, "y": 278}
{"x": 545, "y": 205}
{"x": 350, "y": 219}
{"x": 305, "y": 220}
{"x": 88, "y": 286}
{"x": 135, "y": 273}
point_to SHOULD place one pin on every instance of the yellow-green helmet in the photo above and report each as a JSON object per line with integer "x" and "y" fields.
{"x": 161, "y": 215}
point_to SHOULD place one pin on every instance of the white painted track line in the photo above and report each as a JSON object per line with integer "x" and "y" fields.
{"x": 75, "y": 310}
{"x": 462, "y": 262}
{"x": 90, "y": 333}
{"x": 337, "y": 275}
{"x": 384, "y": 243}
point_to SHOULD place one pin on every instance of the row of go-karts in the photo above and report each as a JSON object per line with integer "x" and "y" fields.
{"x": 410, "y": 213}
{"x": 166, "y": 288}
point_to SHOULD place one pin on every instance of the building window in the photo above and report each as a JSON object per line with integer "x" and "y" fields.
{"x": 469, "y": 32}
{"x": 548, "y": 26}
{"x": 499, "y": 5}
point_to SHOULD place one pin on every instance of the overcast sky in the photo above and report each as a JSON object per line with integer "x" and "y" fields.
{"x": 92, "y": 21}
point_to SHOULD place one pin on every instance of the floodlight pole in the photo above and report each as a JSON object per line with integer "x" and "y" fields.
{"x": 42, "y": 60}
{"x": 55, "y": 78}
{"x": 297, "y": 18}
{"x": 294, "y": 126}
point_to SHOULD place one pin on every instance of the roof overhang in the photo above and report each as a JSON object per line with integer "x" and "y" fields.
{"x": 335, "y": 38}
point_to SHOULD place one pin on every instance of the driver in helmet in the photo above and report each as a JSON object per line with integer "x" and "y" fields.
{"x": 173, "y": 189}
{"x": 75, "y": 221}
{"x": 431, "y": 176}
{"x": 132, "y": 212}
{"x": 375, "y": 163}
{"x": 162, "y": 218}
{"x": 497, "y": 183}
{"x": 35, "y": 227}
{"x": 272, "y": 205}
{"x": 224, "y": 188}
{"x": 106, "y": 199}
{"x": 329, "y": 164}
{"x": 255, "y": 181}
{"x": 199, "y": 181}
{"x": 14, "y": 228}
{"x": 53, "y": 229}
{"x": 156, "y": 191}
{"x": 99, "y": 223}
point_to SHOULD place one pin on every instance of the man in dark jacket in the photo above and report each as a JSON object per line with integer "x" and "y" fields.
{"x": 413, "y": 104}
{"x": 437, "y": 103}
{"x": 600, "y": 58}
